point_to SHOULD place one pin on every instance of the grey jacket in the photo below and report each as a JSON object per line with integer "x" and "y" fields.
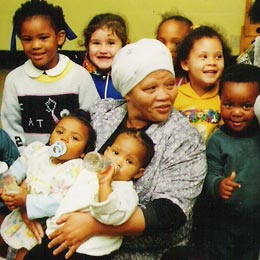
{"x": 176, "y": 172}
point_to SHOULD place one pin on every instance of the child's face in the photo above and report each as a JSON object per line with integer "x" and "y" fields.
{"x": 171, "y": 33}
{"x": 74, "y": 134}
{"x": 205, "y": 64}
{"x": 237, "y": 104}
{"x": 103, "y": 46}
{"x": 127, "y": 153}
{"x": 40, "y": 42}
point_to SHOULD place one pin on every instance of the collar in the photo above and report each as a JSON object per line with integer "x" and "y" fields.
{"x": 252, "y": 131}
{"x": 34, "y": 72}
{"x": 92, "y": 69}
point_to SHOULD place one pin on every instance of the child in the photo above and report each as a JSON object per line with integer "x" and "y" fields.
{"x": 48, "y": 178}
{"x": 171, "y": 32}
{"x": 8, "y": 150}
{"x": 104, "y": 36}
{"x": 8, "y": 154}
{"x": 110, "y": 198}
{"x": 48, "y": 85}
{"x": 233, "y": 178}
{"x": 202, "y": 55}
{"x": 252, "y": 54}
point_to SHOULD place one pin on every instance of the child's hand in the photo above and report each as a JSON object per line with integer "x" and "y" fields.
{"x": 13, "y": 201}
{"x": 227, "y": 186}
{"x": 106, "y": 176}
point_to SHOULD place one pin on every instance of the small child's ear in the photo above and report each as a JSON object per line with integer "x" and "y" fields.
{"x": 61, "y": 37}
{"x": 139, "y": 174}
{"x": 82, "y": 155}
{"x": 184, "y": 65}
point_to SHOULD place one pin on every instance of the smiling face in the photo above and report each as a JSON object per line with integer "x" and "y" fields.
{"x": 205, "y": 64}
{"x": 128, "y": 153}
{"x": 151, "y": 100}
{"x": 237, "y": 104}
{"x": 74, "y": 134}
{"x": 103, "y": 46}
{"x": 171, "y": 33}
{"x": 40, "y": 41}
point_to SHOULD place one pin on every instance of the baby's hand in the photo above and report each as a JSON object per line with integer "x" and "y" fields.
{"x": 227, "y": 186}
{"x": 13, "y": 201}
{"x": 106, "y": 176}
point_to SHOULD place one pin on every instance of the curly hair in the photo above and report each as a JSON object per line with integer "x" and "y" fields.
{"x": 186, "y": 46}
{"x": 39, "y": 8}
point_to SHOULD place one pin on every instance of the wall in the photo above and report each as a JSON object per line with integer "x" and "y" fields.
{"x": 142, "y": 16}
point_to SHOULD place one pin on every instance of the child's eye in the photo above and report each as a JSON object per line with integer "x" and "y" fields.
{"x": 59, "y": 132}
{"x": 75, "y": 138}
{"x": 219, "y": 57}
{"x": 111, "y": 43}
{"x": 44, "y": 37}
{"x": 203, "y": 57}
{"x": 129, "y": 161}
{"x": 228, "y": 105}
{"x": 115, "y": 152}
{"x": 247, "y": 106}
{"x": 25, "y": 39}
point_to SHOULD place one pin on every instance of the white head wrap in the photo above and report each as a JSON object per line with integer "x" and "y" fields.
{"x": 135, "y": 61}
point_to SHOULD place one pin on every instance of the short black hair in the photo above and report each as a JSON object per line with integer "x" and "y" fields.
{"x": 240, "y": 73}
{"x": 145, "y": 140}
{"x": 254, "y": 12}
{"x": 179, "y": 18}
{"x": 39, "y": 8}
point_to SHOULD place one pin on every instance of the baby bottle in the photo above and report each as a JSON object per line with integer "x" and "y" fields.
{"x": 7, "y": 181}
{"x": 96, "y": 162}
{"x": 58, "y": 149}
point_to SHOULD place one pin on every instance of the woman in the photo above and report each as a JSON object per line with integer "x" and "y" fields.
{"x": 143, "y": 73}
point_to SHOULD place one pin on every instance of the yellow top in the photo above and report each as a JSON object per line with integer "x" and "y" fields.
{"x": 203, "y": 112}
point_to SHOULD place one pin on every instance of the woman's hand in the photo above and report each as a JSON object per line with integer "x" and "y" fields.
{"x": 34, "y": 225}
{"x": 77, "y": 228}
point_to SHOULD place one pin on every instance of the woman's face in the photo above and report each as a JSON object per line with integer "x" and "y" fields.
{"x": 152, "y": 99}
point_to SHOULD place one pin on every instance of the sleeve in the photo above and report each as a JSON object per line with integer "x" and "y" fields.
{"x": 10, "y": 113}
{"x": 8, "y": 150}
{"x": 39, "y": 206}
{"x": 88, "y": 94}
{"x": 118, "y": 207}
{"x": 19, "y": 167}
{"x": 215, "y": 167}
{"x": 163, "y": 215}
{"x": 182, "y": 168}
{"x": 80, "y": 195}
{"x": 18, "y": 170}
